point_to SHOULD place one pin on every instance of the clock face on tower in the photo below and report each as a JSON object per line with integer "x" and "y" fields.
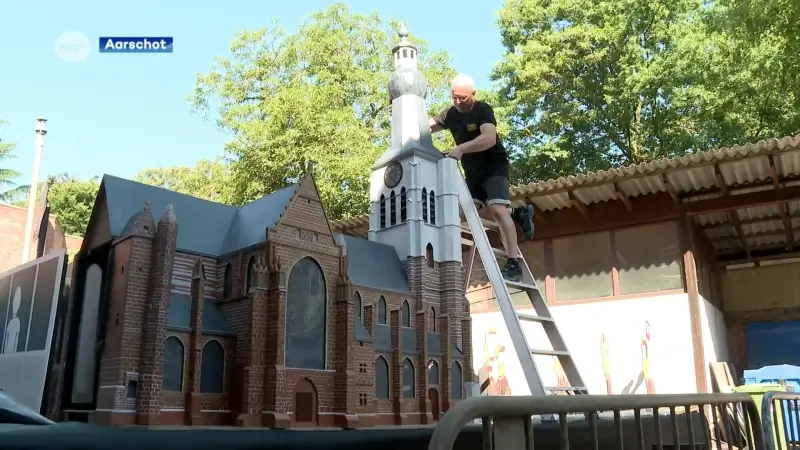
{"x": 393, "y": 175}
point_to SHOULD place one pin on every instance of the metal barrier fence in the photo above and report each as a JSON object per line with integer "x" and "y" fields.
{"x": 780, "y": 417}
{"x": 663, "y": 422}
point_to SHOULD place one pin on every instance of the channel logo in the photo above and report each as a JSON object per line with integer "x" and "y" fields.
{"x": 135, "y": 45}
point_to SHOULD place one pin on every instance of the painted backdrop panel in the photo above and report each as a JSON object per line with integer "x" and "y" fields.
{"x": 620, "y": 347}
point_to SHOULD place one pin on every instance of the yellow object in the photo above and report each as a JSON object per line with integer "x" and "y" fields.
{"x": 757, "y": 391}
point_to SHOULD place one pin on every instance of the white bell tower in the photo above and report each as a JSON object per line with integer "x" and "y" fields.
{"x": 413, "y": 195}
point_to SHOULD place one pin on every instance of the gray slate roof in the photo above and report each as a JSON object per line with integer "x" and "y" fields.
{"x": 205, "y": 227}
{"x": 375, "y": 265}
{"x": 179, "y": 314}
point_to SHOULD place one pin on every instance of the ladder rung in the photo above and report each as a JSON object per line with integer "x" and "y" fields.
{"x": 487, "y": 225}
{"x": 533, "y": 318}
{"x": 521, "y": 286}
{"x": 550, "y": 352}
{"x": 497, "y": 252}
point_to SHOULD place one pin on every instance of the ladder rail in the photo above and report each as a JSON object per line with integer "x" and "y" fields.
{"x": 515, "y": 331}
{"x": 551, "y": 328}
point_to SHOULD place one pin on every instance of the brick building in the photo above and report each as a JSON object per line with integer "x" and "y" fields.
{"x": 12, "y": 235}
{"x": 191, "y": 312}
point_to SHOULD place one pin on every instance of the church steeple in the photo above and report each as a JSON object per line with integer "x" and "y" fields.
{"x": 408, "y": 89}
{"x": 413, "y": 192}
{"x": 405, "y": 53}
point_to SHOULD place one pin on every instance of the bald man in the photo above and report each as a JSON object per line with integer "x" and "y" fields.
{"x": 485, "y": 161}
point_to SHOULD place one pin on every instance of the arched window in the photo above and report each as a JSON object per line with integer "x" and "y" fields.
{"x": 212, "y": 368}
{"x": 85, "y": 362}
{"x": 403, "y": 204}
{"x": 382, "y": 207}
{"x": 432, "y": 320}
{"x": 433, "y": 373}
{"x": 392, "y": 209}
{"x": 306, "y": 308}
{"x": 424, "y": 205}
{"x": 405, "y": 313}
{"x": 456, "y": 381}
{"x": 357, "y": 304}
{"x": 433, "y": 208}
{"x": 409, "y": 379}
{"x": 227, "y": 282}
{"x": 250, "y": 279}
{"x": 173, "y": 364}
{"x": 381, "y": 378}
{"x": 429, "y": 255}
{"x": 382, "y": 311}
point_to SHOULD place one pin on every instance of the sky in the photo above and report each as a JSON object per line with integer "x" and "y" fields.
{"x": 121, "y": 113}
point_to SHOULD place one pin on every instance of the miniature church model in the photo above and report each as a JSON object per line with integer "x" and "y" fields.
{"x": 261, "y": 315}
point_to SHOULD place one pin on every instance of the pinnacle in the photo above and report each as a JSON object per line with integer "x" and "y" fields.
{"x": 403, "y": 32}
{"x": 169, "y": 215}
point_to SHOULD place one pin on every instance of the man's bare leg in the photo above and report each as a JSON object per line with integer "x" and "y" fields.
{"x": 508, "y": 231}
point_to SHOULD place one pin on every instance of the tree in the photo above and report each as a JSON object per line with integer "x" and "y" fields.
{"x": 9, "y": 191}
{"x": 761, "y": 73}
{"x": 316, "y": 95}
{"x": 71, "y": 200}
{"x": 590, "y": 84}
{"x": 208, "y": 179}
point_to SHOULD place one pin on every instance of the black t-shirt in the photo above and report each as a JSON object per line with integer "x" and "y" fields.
{"x": 467, "y": 126}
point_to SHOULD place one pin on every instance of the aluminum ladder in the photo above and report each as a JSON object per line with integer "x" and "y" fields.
{"x": 477, "y": 227}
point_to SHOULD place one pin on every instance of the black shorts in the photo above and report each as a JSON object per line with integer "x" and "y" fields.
{"x": 488, "y": 190}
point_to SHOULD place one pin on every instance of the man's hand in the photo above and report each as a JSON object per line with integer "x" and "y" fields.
{"x": 455, "y": 153}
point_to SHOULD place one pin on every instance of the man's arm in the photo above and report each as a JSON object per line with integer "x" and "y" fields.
{"x": 435, "y": 127}
{"x": 437, "y": 122}
{"x": 488, "y": 137}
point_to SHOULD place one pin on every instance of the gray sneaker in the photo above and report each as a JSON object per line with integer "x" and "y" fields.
{"x": 512, "y": 271}
{"x": 523, "y": 215}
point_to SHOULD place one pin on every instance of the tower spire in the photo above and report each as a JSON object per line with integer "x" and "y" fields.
{"x": 405, "y": 53}
{"x": 408, "y": 89}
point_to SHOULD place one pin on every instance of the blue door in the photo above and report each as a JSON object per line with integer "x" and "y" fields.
{"x": 773, "y": 343}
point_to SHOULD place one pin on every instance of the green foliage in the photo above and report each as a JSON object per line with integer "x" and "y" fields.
{"x": 593, "y": 84}
{"x": 318, "y": 95}
{"x": 71, "y": 200}
{"x": 9, "y": 191}
{"x": 208, "y": 179}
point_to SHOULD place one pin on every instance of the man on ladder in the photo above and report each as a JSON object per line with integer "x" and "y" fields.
{"x": 485, "y": 161}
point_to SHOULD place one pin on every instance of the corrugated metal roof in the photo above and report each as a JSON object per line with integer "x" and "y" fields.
{"x": 693, "y": 174}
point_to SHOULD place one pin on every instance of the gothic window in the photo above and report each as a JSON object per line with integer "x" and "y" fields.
{"x": 409, "y": 382}
{"x": 382, "y": 311}
{"x": 250, "y": 279}
{"x": 173, "y": 364}
{"x": 227, "y": 282}
{"x": 424, "y": 205}
{"x": 212, "y": 368}
{"x": 382, "y": 207}
{"x": 403, "y": 202}
{"x": 432, "y": 320}
{"x": 456, "y": 381}
{"x": 405, "y": 312}
{"x": 429, "y": 255}
{"x": 357, "y": 304}
{"x": 86, "y": 359}
{"x": 433, "y": 373}
{"x": 392, "y": 209}
{"x": 433, "y": 208}
{"x": 306, "y": 305}
{"x": 381, "y": 378}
